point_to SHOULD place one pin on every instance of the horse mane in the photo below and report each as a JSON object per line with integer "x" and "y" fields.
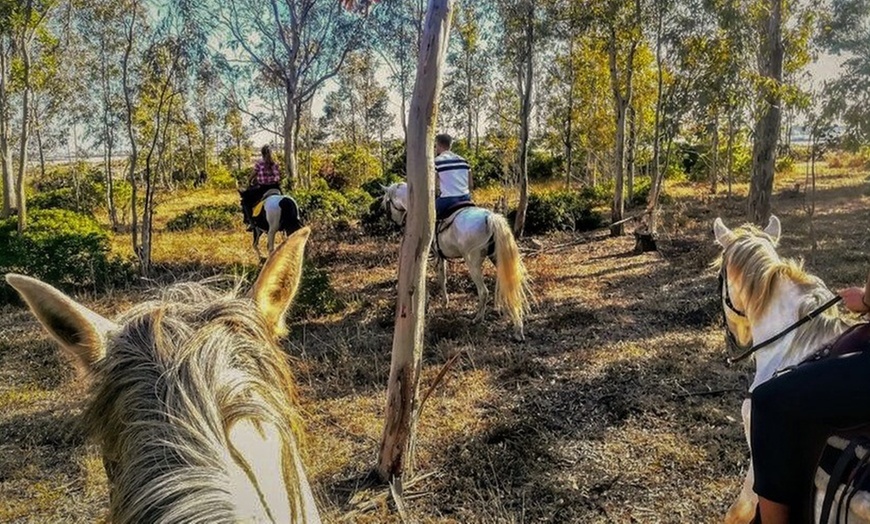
{"x": 753, "y": 263}
{"x": 182, "y": 370}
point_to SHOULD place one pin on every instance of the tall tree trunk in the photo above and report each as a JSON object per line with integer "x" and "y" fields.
{"x": 714, "y": 159}
{"x": 40, "y": 150}
{"x": 289, "y": 140}
{"x": 646, "y": 233}
{"x": 468, "y": 102}
{"x": 9, "y": 201}
{"x": 569, "y": 119}
{"x": 729, "y": 148}
{"x": 25, "y": 126}
{"x": 131, "y": 135}
{"x": 631, "y": 151}
{"x": 767, "y": 128}
{"x": 526, "y": 82}
{"x": 399, "y": 426}
{"x": 621, "y": 104}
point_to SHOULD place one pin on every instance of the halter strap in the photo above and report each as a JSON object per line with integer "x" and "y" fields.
{"x": 747, "y": 352}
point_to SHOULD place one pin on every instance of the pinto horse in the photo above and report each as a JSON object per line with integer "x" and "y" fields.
{"x": 762, "y": 295}
{"x": 192, "y": 400}
{"x": 473, "y": 234}
{"x": 277, "y": 212}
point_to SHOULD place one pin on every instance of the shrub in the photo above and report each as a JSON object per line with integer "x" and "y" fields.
{"x": 559, "y": 211}
{"x": 91, "y": 195}
{"x": 220, "y": 177}
{"x": 213, "y": 217}
{"x": 784, "y": 164}
{"x": 373, "y": 186}
{"x": 316, "y": 295}
{"x": 642, "y": 189}
{"x": 543, "y": 164}
{"x": 320, "y": 203}
{"x": 64, "y": 248}
{"x": 350, "y": 168}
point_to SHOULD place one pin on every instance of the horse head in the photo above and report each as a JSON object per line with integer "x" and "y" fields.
{"x": 395, "y": 201}
{"x": 192, "y": 397}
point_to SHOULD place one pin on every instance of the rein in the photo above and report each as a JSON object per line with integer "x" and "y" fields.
{"x": 747, "y": 352}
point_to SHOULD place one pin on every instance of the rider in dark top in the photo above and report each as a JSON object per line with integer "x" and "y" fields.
{"x": 793, "y": 415}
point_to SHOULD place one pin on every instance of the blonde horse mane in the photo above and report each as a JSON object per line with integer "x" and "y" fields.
{"x": 755, "y": 268}
{"x": 180, "y": 372}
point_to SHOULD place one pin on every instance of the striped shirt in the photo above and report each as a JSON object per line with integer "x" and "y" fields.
{"x": 452, "y": 172}
{"x": 265, "y": 176}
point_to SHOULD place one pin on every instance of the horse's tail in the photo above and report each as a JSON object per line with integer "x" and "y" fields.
{"x": 289, "y": 221}
{"x": 511, "y": 286}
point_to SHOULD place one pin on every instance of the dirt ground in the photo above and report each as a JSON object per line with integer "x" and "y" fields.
{"x": 619, "y": 407}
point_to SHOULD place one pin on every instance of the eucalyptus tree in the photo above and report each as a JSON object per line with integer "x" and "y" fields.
{"x": 520, "y": 30}
{"x": 297, "y": 45}
{"x": 847, "y": 98}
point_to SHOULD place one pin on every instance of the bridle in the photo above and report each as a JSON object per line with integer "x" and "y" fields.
{"x": 394, "y": 207}
{"x": 747, "y": 351}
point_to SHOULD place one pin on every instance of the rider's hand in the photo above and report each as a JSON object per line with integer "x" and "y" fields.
{"x": 853, "y": 299}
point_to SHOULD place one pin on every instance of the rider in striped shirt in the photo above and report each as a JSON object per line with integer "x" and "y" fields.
{"x": 453, "y": 179}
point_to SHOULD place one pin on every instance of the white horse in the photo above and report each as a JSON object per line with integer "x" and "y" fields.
{"x": 773, "y": 293}
{"x": 474, "y": 234}
{"x": 279, "y": 213}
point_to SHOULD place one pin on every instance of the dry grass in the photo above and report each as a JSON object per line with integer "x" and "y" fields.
{"x": 618, "y": 408}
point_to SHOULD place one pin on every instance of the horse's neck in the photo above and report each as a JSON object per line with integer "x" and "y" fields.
{"x": 782, "y": 312}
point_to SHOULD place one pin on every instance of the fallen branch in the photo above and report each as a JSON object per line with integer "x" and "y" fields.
{"x": 446, "y": 367}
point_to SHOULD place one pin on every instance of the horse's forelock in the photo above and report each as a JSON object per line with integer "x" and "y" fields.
{"x": 181, "y": 369}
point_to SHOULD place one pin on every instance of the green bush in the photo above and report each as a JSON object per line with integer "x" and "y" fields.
{"x": 316, "y": 295}
{"x": 212, "y": 217}
{"x": 91, "y": 195}
{"x": 559, "y": 211}
{"x": 543, "y": 164}
{"x": 220, "y": 177}
{"x": 63, "y": 248}
{"x": 350, "y": 168}
{"x": 322, "y": 204}
{"x": 784, "y": 164}
{"x": 373, "y": 186}
{"x": 642, "y": 187}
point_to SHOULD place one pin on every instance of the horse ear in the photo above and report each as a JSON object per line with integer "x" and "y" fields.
{"x": 278, "y": 282}
{"x": 80, "y": 332}
{"x": 774, "y": 228}
{"x": 724, "y": 236}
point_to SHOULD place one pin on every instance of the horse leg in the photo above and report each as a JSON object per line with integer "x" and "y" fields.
{"x": 742, "y": 511}
{"x": 270, "y": 237}
{"x": 257, "y": 244}
{"x": 441, "y": 267}
{"x": 475, "y": 267}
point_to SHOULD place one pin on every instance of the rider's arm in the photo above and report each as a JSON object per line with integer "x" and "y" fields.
{"x": 854, "y": 299}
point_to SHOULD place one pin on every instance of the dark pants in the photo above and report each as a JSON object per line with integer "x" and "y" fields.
{"x": 442, "y": 204}
{"x": 792, "y": 417}
{"x": 252, "y": 195}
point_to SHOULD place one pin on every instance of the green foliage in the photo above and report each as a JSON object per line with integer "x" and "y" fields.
{"x": 559, "y": 210}
{"x": 323, "y": 204}
{"x": 784, "y": 164}
{"x": 376, "y": 221}
{"x": 350, "y": 167}
{"x": 373, "y": 186}
{"x": 63, "y": 248}
{"x": 316, "y": 295}
{"x": 212, "y": 217}
{"x": 543, "y": 164}
{"x": 221, "y": 177}
{"x": 642, "y": 189}
{"x": 77, "y": 187}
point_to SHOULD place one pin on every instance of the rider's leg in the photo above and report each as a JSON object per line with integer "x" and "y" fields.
{"x": 792, "y": 417}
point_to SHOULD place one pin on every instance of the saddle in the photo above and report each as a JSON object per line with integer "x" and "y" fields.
{"x": 258, "y": 208}
{"x": 843, "y": 475}
{"x": 450, "y": 211}
{"x": 443, "y": 221}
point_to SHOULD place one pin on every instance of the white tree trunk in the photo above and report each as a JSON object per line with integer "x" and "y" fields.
{"x": 398, "y": 436}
